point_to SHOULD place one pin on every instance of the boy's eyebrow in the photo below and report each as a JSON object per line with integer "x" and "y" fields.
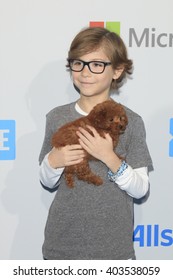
{"x": 94, "y": 59}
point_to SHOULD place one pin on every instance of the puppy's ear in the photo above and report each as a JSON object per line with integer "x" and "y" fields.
{"x": 99, "y": 118}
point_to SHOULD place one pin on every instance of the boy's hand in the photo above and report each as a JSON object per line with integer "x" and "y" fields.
{"x": 99, "y": 147}
{"x": 66, "y": 156}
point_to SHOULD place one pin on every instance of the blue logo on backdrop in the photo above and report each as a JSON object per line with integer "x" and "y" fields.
{"x": 7, "y": 140}
{"x": 171, "y": 141}
{"x": 152, "y": 235}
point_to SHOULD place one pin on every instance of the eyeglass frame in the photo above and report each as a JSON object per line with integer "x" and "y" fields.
{"x": 88, "y": 64}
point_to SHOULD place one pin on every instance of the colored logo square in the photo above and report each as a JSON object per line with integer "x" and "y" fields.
{"x": 171, "y": 126}
{"x": 7, "y": 140}
{"x": 171, "y": 142}
{"x": 96, "y": 23}
{"x": 113, "y": 26}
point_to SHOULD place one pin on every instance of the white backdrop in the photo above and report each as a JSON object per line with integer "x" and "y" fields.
{"x": 34, "y": 39}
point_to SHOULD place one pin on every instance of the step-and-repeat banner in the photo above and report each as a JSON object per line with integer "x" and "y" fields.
{"x": 34, "y": 39}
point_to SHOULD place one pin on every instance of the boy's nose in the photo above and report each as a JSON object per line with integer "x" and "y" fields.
{"x": 86, "y": 70}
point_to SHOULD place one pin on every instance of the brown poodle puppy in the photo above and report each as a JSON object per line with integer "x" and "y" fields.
{"x": 106, "y": 117}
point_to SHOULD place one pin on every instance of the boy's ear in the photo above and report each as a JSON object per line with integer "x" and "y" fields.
{"x": 118, "y": 72}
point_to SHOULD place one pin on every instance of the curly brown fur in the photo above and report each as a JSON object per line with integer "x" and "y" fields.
{"x": 106, "y": 117}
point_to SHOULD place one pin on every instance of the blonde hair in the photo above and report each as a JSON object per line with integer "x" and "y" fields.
{"x": 93, "y": 38}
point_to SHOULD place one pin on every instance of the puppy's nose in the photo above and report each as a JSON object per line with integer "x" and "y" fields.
{"x": 116, "y": 119}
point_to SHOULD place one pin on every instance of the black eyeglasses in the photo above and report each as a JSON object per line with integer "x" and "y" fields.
{"x": 96, "y": 67}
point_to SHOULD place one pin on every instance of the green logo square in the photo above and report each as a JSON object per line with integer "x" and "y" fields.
{"x": 113, "y": 26}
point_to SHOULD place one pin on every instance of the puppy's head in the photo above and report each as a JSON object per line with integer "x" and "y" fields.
{"x": 109, "y": 116}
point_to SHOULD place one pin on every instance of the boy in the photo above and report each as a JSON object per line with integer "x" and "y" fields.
{"x": 89, "y": 222}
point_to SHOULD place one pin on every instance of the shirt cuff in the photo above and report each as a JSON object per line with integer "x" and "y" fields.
{"x": 55, "y": 171}
{"x": 49, "y": 176}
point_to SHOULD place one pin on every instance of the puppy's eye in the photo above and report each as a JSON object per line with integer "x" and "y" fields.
{"x": 111, "y": 120}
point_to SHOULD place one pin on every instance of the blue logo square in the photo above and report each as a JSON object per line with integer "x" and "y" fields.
{"x": 171, "y": 141}
{"x": 7, "y": 140}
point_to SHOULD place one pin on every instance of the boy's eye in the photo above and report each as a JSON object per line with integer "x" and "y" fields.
{"x": 77, "y": 62}
{"x": 97, "y": 64}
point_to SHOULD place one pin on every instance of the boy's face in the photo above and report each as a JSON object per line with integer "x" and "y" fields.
{"x": 91, "y": 84}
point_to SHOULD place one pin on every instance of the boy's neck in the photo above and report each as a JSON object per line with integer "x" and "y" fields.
{"x": 87, "y": 104}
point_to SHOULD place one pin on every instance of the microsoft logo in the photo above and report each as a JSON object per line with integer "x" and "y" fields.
{"x": 7, "y": 140}
{"x": 171, "y": 141}
{"x": 146, "y": 37}
{"x": 113, "y": 26}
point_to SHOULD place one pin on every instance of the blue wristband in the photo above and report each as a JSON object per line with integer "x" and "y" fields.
{"x": 113, "y": 176}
